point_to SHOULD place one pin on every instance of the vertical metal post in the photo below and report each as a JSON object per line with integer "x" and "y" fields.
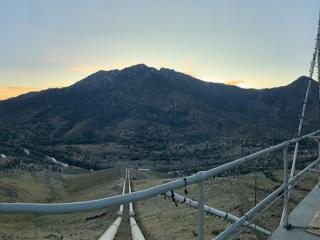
{"x": 201, "y": 210}
{"x": 319, "y": 164}
{"x": 318, "y": 59}
{"x": 255, "y": 189}
{"x": 312, "y": 67}
{"x": 286, "y": 192}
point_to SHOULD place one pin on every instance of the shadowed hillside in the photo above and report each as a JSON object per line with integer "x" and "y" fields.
{"x": 140, "y": 102}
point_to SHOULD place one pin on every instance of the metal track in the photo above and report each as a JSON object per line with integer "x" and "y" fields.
{"x": 136, "y": 233}
{"x": 111, "y": 232}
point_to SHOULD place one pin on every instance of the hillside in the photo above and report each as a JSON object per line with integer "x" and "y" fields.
{"x": 139, "y": 111}
{"x": 52, "y": 187}
{"x": 142, "y": 102}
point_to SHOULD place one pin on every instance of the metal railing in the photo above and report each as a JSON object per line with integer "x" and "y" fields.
{"x": 210, "y": 210}
{"x": 166, "y": 188}
{"x": 111, "y": 232}
{"x": 136, "y": 233}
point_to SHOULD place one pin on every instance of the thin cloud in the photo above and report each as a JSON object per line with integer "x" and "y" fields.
{"x": 13, "y": 91}
{"x": 234, "y": 82}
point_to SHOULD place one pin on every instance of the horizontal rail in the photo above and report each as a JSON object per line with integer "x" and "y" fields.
{"x": 214, "y": 211}
{"x": 112, "y": 230}
{"x": 260, "y": 206}
{"x": 85, "y": 206}
{"x": 120, "y": 212}
{"x": 131, "y": 212}
{"x": 135, "y": 230}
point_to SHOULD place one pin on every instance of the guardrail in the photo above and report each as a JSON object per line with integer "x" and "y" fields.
{"x": 111, "y": 232}
{"x": 135, "y": 230}
{"x": 199, "y": 178}
{"x": 131, "y": 212}
{"x": 227, "y": 216}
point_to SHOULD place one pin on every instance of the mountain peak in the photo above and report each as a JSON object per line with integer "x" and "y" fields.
{"x": 300, "y": 82}
{"x": 139, "y": 67}
{"x": 144, "y": 101}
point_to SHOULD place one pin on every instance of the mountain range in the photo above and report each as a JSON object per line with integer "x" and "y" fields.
{"x": 141, "y": 103}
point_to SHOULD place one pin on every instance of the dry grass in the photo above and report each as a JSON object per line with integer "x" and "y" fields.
{"x": 161, "y": 219}
{"x": 51, "y": 187}
{"x": 158, "y": 218}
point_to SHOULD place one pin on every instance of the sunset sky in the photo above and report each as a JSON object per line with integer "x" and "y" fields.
{"x": 249, "y": 43}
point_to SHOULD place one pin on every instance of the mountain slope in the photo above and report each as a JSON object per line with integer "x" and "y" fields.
{"x": 141, "y": 103}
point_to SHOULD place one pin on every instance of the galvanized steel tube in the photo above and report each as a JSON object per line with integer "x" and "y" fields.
{"x": 120, "y": 212}
{"x": 285, "y": 220}
{"x": 311, "y": 71}
{"x": 131, "y": 212}
{"x": 260, "y": 206}
{"x": 112, "y": 230}
{"x": 214, "y": 211}
{"x": 135, "y": 230}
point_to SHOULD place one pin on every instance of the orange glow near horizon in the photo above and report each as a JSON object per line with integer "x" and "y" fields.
{"x": 235, "y": 82}
{"x": 77, "y": 73}
{"x": 13, "y": 91}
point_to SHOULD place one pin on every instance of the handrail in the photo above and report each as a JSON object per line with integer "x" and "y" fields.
{"x": 85, "y": 206}
{"x": 131, "y": 212}
{"x": 214, "y": 211}
{"x": 111, "y": 232}
{"x": 120, "y": 212}
{"x": 135, "y": 230}
{"x": 260, "y": 206}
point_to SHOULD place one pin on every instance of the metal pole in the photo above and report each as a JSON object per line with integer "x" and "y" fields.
{"x": 318, "y": 59}
{"x": 260, "y": 206}
{"x": 311, "y": 71}
{"x": 111, "y": 232}
{"x": 135, "y": 230}
{"x": 131, "y": 212}
{"x": 313, "y": 63}
{"x": 255, "y": 189}
{"x": 201, "y": 207}
{"x": 225, "y": 215}
{"x": 286, "y": 192}
{"x": 120, "y": 212}
{"x": 318, "y": 157}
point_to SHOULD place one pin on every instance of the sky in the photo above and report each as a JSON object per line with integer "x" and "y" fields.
{"x": 249, "y": 43}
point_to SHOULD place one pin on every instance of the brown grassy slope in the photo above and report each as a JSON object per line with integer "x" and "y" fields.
{"x": 51, "y": 187}
{"x": 161, "y": 219}
{"x": 158, "y": 218}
